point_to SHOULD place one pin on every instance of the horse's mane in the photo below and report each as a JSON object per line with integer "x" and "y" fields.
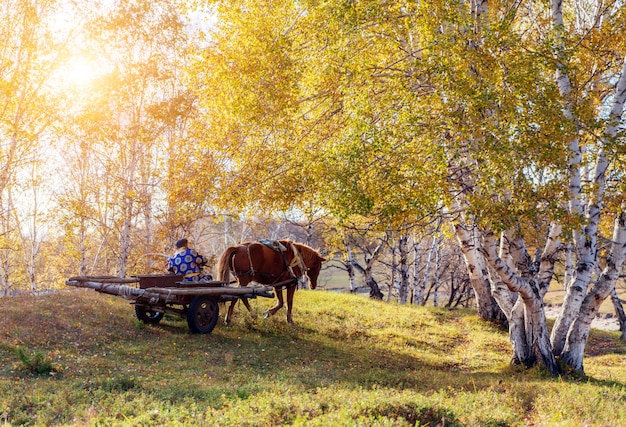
{"x": 309, "y": 254}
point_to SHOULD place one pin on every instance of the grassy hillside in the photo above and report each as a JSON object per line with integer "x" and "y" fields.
{"x": 348, "y": 361}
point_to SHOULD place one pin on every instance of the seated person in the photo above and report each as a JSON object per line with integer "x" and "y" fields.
{"x": 188, "y": 262}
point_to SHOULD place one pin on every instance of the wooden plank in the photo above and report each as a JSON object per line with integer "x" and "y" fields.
{"x": 217, "y": 290}
{"x": 104, "y": 279}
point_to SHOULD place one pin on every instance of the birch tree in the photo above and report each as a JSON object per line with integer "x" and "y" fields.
{"x": 370, "y": 251}
{"x": 436, "y": 279}
{"x": 31, "y": 222}
{"x": 403, "y": 268}
{"x": 28, "y": 56}
{"x": 584, "y": 208}
{"x": 78, "y": 200}
{"x": 571, "y": 329}
{"x": 395, "y": 111}
{"x": 477, "y": 168}
{"x": 418, "y": 295}
{"x": 349, "y": 263}
{"x": 135, "y": 98}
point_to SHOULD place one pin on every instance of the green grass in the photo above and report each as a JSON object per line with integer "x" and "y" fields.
{"x": 348, "y": 361}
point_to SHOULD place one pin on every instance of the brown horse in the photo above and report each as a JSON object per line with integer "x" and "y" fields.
{"x": 282, "y": 267}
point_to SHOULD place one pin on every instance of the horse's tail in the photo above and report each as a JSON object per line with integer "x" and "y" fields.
{"x": 223, "y": 265}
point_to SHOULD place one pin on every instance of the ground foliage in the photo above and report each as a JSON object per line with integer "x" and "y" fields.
{"x": 347, "y": 361}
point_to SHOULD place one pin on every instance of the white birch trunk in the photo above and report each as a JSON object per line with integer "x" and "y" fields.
{"x": 521, "y": 318}
{"x": 419, "y": 297}
{"x": 82, "y": 247}
{"x": 416, "y": 270}
{"x": 125, "y": 243}
{"x": 501, "y": 293}
{"x": 368, "y": 276}
{"x": 31, "y": 248}
{"x": 513, "y": 310}
{"x": 149, "y": 230}
{"x": 537, "y": 337}
{"x": 522, "y": 351}
{"x": 586, "y": 241}
{"x": 576, "y": 289}
{"x": 5, "y": 264}
{"x": 125, "y": 247}
{"x": 569, "y": 265}
{"x": 468, "y": 239}
{"x": 28, "y": 242}
{"x": 460, "y": 173}
{"x": 29, "y": 233}
{"x": 548, "y": 259}
{"x": 576, "y": 339}
{"x": 579, "y": 332}
{"x": 128, "y": 213}
{"x": 436, "y": 278}
{"x": 403, "y": 288}
{"x": 393, "y": 282}
{"x": 350, "y": 267}
{"x": 375, "y": 292}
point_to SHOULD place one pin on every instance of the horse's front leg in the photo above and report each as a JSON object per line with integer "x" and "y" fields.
{"x": 277, "y": 306}
{"x": 229, "y": 313}
{"x": 290, "y": 291}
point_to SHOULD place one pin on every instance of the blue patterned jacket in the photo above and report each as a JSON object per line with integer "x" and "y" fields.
{"x": 186, "y": 261}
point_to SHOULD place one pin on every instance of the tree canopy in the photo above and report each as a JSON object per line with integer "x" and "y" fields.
{"x": 369, "y": 108}
{"x": 506, "y": 116}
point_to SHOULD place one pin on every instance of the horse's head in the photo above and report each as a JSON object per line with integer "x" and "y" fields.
{"x": 313, "y": 262}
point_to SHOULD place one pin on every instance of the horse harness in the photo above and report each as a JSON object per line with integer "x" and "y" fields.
{"x": 278, "y": 247}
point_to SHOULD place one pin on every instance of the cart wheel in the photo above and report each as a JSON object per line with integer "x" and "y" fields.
{"x": 147, "y": 315}
{"x": 202, "y": 314}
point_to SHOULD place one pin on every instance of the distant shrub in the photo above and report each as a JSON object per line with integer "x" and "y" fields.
{"x": 118, "y": 384}
{"x": 35, "y": 363}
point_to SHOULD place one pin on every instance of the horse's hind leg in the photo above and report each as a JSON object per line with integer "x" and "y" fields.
{"x": 247, "y": 304}
{"x": 277, "y": 306}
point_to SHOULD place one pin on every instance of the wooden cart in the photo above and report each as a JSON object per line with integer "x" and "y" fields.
{"x": 154, "y": 295}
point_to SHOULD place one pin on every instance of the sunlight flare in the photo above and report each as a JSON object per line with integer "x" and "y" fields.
{"x": 78, "y": 71}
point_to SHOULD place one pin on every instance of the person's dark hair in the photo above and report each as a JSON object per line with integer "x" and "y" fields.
{"x": 181, "y": 243}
